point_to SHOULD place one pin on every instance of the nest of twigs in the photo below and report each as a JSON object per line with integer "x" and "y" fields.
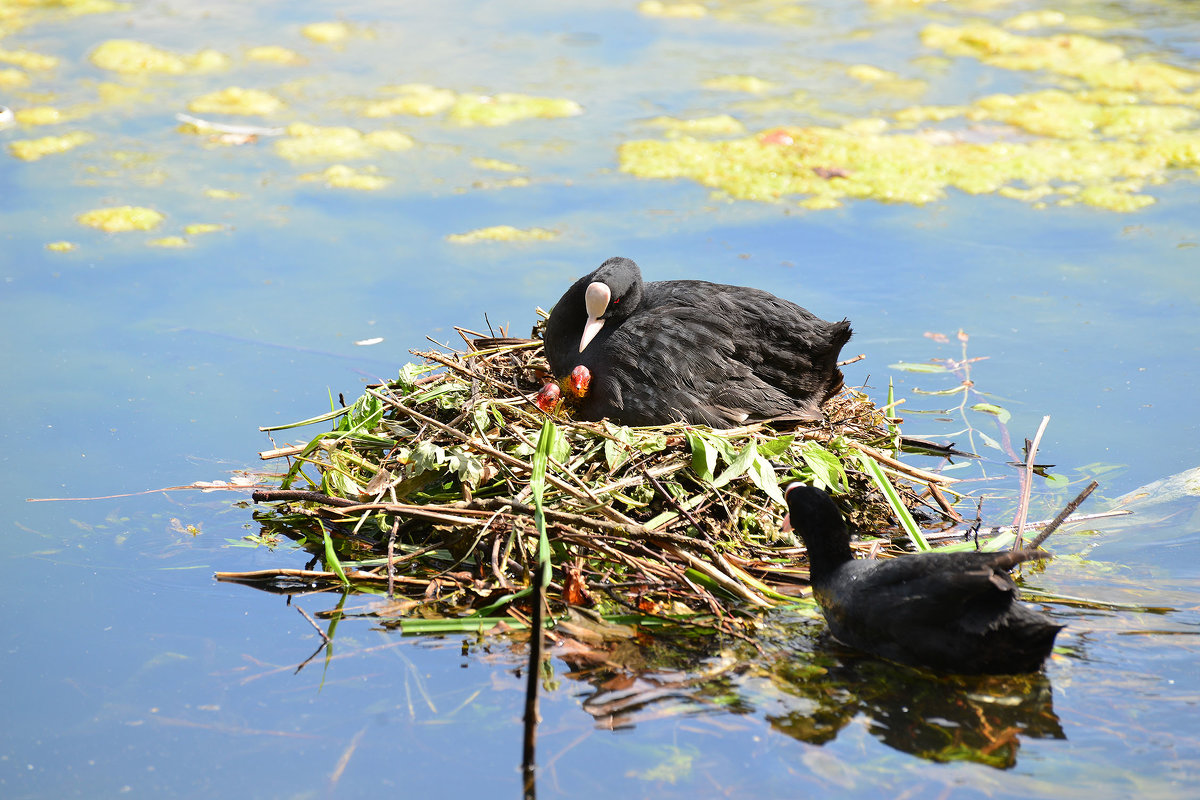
{"x": 422, "y": 489}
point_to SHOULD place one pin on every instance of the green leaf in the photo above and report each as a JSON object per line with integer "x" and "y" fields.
{"x": 426, "y": 455}
{"x": 827, "y": 469}
{"x": 771, "y": 448}
{"x": 537, "y": 486}
{"x": 990, "y": 442}
{"x": 616, "y": 450}
{"x": 704, "y": 456}
{"x": 331, "y": 559}
{"x": 910, "y": 366}
{"x": 763, "y": 475}
{"x": 740, "y": 465}
{"x": 890, "y": 494}
{"x": 467, "y": 466}
{"x": 989, "y": 408}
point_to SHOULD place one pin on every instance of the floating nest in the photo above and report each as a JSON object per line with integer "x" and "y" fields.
{"x": 422, "y": 489}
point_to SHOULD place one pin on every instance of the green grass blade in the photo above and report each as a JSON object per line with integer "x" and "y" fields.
{"x": 893, "y": 499}
{"x": 331, "y": 559}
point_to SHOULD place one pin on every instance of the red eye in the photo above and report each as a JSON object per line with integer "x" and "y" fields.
{"x": 616, "y": 301}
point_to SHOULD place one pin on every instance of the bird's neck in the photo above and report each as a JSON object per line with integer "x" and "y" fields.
{"x": 829, "y": 553}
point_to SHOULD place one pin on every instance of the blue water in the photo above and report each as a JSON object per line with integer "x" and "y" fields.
{"x": 127, "y": 670}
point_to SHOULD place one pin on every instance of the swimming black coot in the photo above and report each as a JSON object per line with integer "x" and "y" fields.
{"x": 950, "y": 612}
{"x": 700, "y": 352}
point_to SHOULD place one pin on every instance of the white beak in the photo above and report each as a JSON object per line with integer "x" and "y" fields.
{"x": 595, "y": 300}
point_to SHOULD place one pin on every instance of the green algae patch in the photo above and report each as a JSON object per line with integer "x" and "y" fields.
{"x": 738, "y": 83}
{"x": 677, "y": 10}
{"x": 395, "y": 141}
{"x": 41, "y": 115}
{"x": 33, "y": 149}
{"x": 327, "y": 32}
{"x": 236, "y": 100}
{"x": 27, "y": 59}
{"x": 1066, "y": 115}
{"x": 415, "y": 99}
{"x": 718, "y": 125}
{"x": 819, "y": 167}
{"x": 200, "y": 228}
{"x": 222, "y": 194}
{"x": 1095, "y": 62}
{"x": 61, "y": 247}
{"x": 306, "y": 142}
{"x": 133, "y": 58}
{"x": 886, "y": 81}
{"x": 495, "y": 164}
{"x": 506, "y": 108}
{"x": 503, "y": 233}
{"x": 169, "y": 242}
{"x": 275, "y": 54}
{"x": 13, "y": 79}
{"x": 1047, "y": 18}
{"x": 340, "y": 176}
{"x": 121, "y": 219}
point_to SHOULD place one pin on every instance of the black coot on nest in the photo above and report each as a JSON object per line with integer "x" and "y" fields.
{"x": 950, "y": 612}
{"x": 700, "y": 352}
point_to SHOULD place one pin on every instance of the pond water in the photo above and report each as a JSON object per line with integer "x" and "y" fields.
{"x": 134, "y": 365}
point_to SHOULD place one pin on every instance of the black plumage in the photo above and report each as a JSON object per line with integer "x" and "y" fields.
{"x": 951, "y": 612}
{"x": 700, "y": 352}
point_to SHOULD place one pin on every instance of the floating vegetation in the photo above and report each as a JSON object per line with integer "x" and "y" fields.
{"x": 327, "y": 32}
{"x": 61, "y": 247}
{"x": 236, "y": 100}
{"x": 719, "y": 125}
{"x": 169, "y": 242}
{"x": 27, "y": 59}
{"x": 738, "y": 83}
{"x": 503, "y": 233}
{"x": 121, "y": 219}
{"x": 33, "y": 149}
{"x": 1094, "y": 61}
{"x": 507, "y": 107}
{"x": 436, "y": 473}
{"x": 340, "y": 176}
{"x": 306, "y": 142}
{"x": 274, "y": 54}
{"x": 417, "y": 99}
{"x": 132, "y": 57}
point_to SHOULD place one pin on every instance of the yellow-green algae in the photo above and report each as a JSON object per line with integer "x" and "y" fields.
{"x": 27, "y": 59}
{"x": 274, "y": 54}
{"x": 507, "y": 107}
{"x": 306, "y": 142}
{"x": 1047, "y": 18}
{"x": 821, "y": 166}
{"x": 495, "y": 164}
{"x": 738, "y": 83}
{"x": 340, "y": 176}
{"x": 40, "y": 115}
{"x": 327, "y": 32}
{"x": 236, "y": 100}
{"x": 1098, "y": 63}
{"x": 122, "y": 218}
{"x": 222, "y": 194}
{"x": 13, "y": 79}
{"x": 175, "y": 242}
{"x": 198, "y": 228}
{"x": 417, "y": 99}
{"x": 721, "y": 124}
{"x": 33, "y": 149}
{"x": 131, "y": 57}
{"x": 61, "y": 247}
{"x": 677, "y": 10}
{"x": 503, "y": 233}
